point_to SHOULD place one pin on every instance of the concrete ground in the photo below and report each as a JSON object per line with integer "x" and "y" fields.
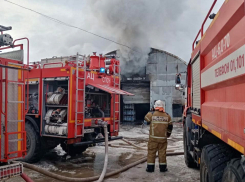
{"x": 120, "y": 154}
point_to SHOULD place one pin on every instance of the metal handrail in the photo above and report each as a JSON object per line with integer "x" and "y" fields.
{"x": 53, "y": 63}
{"x": 35, "y": 66}
{"x": 202, "y": 27}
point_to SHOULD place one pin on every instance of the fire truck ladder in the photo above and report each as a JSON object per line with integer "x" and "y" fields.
{"x": 80, "y": 103}
{"x": 116, "y": 85}
{"x": 13, "y": 111}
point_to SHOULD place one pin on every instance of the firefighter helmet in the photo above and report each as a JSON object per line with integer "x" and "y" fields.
{"x": 158, "y": 103}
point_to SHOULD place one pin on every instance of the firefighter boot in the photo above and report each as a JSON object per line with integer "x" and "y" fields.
{"x": 163, "y": 168}
{"x": 150, "y": 168}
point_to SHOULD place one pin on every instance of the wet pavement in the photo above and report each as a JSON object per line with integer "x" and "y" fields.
{"x": 90, "y": 163}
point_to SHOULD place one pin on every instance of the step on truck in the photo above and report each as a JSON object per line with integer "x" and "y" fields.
{"x": 214, "y": 117}
{"x": 68, "y": 99}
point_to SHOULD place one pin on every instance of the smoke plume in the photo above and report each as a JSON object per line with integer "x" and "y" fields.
{"x": 137, "y": 24}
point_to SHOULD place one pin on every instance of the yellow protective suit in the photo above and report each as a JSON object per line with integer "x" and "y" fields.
{"x": 160, "y": 129}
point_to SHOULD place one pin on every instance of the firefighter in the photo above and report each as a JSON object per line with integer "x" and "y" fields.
{"x": 160, "y": 129}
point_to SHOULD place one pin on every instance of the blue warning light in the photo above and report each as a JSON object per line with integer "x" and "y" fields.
{"x": 102, "y": 70}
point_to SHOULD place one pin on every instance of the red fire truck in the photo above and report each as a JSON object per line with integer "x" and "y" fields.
{"x": 214, "y": 119}
{"x": 12, "y": 106}
{"x": 68, "y": 98}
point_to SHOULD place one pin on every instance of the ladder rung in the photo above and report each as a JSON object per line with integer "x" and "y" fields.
{"x": 80, "y": 89}
{"x": 18, "y": 83}
{"x": 79, "y": 135}
{"x": 79, "y": 100}
{"x": 16, "y": 140}
{"x": 116, "y": 130}
{"x": 15, "y": 120}
{"x": 116, "y": 111}
{"x": 79, "y": 112}
{"x": 116, "y": 102}
{"x": 79, "y": 124}
{"x": 16, "y": 101}
{"x": 80, "y": 78}
{"x": 116, "y": 121}
{"x": 16, "y": 64}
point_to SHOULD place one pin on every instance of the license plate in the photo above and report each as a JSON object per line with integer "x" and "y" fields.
{"x": 89, "y": 130}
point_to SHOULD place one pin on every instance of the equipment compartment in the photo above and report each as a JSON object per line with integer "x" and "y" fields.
{"x": 33, "y": 97}
{"x": 98, "y": 103}
{"x": 55, "y": 104}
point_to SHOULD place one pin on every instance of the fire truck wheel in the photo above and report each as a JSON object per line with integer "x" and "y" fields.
{"x": 234, "y": 172}
{"x": 33, "y": 145}
{"x": 73, "y": 151}
{"x": 189, "y": 161}
{"x": 214, "y": 159}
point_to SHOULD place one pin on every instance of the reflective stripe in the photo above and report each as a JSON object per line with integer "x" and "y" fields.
{"x": 147, "y": 118}
{"x": 152, "y": 129}
{"x": 150, "y": 163}
{"x": 159, "y": 122}
{"x": 157, "y": 137}
{"x": 162, "y": 163}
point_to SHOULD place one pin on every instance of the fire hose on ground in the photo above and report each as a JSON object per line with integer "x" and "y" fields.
{"x": 106, "y": 154}
{"x": 26, "y": 178}
{"x": 103, "y": 174}
{"x": 62, "y": 178}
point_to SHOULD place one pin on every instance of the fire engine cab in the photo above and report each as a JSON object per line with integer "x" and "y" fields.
{"x": 67, "y": 99}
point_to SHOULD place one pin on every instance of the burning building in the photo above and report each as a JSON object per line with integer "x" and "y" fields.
{"x": 151, "y": 78}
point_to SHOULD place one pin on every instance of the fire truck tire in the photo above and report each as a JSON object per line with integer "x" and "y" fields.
{"x": 33, "y": 145}
{"x": 189, "y": 161}
{"x": 73, "y": 151}
{"x": 234, "y": 172}
{"x": 214, "y": 159}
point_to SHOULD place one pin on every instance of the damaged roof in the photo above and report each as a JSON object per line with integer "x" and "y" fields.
{"x": 153, "y": 50}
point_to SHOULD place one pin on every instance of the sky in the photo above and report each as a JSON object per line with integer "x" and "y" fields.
{"x": 170, "y": 25}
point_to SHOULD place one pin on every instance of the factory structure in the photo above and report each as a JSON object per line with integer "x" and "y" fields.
{"x": 156, "y": 82}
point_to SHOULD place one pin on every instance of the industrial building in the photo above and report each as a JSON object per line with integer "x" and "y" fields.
{"x": 156, "y": 81}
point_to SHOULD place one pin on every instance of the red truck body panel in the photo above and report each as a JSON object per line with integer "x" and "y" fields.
{"x": 222, "y": 79}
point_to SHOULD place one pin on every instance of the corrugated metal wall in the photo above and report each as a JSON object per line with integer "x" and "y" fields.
{"x": 162, "y": 69}
{"x": 196, "y": 83}
{"x": 141, "y": 93}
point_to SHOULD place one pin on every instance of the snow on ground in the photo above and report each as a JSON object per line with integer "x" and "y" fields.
{"x": 135, "y": 132}
{"x": 120, "y": 154}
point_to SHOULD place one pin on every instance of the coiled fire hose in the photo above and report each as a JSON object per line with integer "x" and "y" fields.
{"x": 103, "y": 174}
